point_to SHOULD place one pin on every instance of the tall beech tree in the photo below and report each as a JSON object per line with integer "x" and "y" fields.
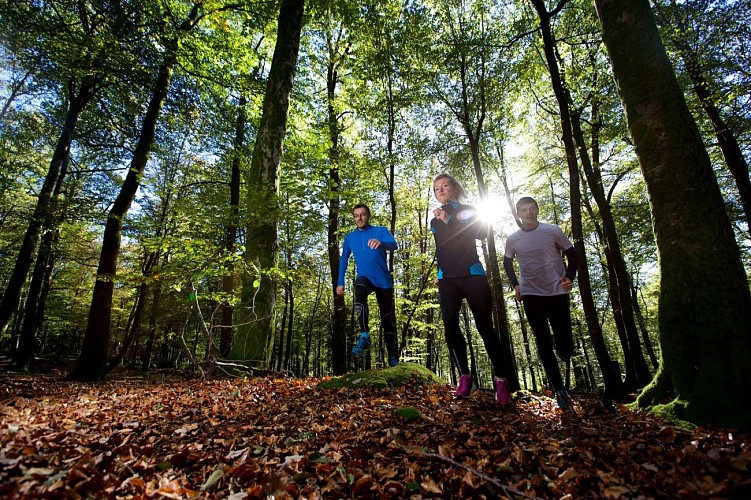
{"x": 336, "y": 46}
{"x": 80, "y": 93}
{"x": 69, "y": 48}
{"x": 704, "y": 304}
{"x": 40, "y": 282}
{"x": 469, "y": 83}
{"x": 255, "y": 325}
{"x": 91, "y": 364}
{"x": 230, "y": 229}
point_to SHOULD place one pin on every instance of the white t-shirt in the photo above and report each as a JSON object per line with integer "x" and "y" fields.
{"x": 540, "y": 263}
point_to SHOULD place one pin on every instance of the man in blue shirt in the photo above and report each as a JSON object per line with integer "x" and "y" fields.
{"x": 369, "y": 245}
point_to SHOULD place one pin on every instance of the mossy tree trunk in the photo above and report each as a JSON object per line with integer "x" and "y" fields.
{"x": 255, "y": 326}
{"x": 705, "y": 305}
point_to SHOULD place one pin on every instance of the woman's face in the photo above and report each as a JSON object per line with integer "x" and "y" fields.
{"x": 444, "y": 191}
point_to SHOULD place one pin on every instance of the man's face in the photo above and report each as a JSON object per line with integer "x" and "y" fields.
{"x": 528, "y": 213}
{"x": 362, "y": 219}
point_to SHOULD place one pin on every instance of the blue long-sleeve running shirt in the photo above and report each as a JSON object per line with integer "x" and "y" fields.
{"x": 368, "y": 262}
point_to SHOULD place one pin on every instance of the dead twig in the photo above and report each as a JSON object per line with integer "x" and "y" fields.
{"x": 506, "y": 489}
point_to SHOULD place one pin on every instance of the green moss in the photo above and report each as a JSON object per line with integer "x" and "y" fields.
{"x": 408, "y": 413}
{"x": 674, "y": 412}
{"x": 398, "y": 376}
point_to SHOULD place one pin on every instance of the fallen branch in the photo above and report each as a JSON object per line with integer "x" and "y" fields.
{"x": 506, "y": 489}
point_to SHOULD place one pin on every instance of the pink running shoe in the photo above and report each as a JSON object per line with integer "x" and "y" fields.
{"x": 502, "y": 393}
{"x": 465, "y": 386}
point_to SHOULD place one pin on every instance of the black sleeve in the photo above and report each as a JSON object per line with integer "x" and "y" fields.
{"x": 508, "y": 266}
{"x": 573, "y": 261}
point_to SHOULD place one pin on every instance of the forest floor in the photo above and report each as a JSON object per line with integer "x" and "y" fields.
{"x": 265, "y": 437}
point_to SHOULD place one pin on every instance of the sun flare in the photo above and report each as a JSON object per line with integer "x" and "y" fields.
{"x": 493, "y": 209}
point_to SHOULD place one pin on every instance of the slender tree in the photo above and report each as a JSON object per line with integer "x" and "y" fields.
{"x": 91, "y": 364}
{"x": 613, "y": 385}
{"x": 619, "y": 280}
{"x": 80, "y": 93}
{"x": 35, "y": 298}
{"x": 66, "y": 45}
{"x": 470, "y": 86}
{"x": 230, "y": 229}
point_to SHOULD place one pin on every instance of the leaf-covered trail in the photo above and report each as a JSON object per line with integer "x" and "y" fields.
{"x": 251, "y": 438}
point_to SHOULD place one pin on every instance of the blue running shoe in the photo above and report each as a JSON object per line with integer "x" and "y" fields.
{"x": 363, "y": 343}
{"x": 393, "y": 361}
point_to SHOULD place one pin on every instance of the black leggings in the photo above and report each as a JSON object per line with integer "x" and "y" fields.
{"x": 385, "y": 299}
{"x": 451, "y": 292}
{"x": 557, "y": 310}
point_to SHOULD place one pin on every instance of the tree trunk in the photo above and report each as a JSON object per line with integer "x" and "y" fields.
{"x": 705, "y": 305}
{"x": 133, "y": 332}
{"x": 15, "y": 89}
{"x": 38, "y": 286}
{"x": 339, "y": 327}
{"x": 290, "y": 322}
{"x": 637, "y": 373}
{"x": 309, "y": 331}
{"x": 254, "y": 339}
{"x": 280, "y": 343}
{"x": 473, "y": 133}
{"x": 613, "y": 384}
{"x": 148, "y": 350}
{"x": 527, "y": 349}
{"x": 36, "y": 299}
{"x": 91, "y": 364}
{"x": 230, "y": 231}
{"x": 643, "y": 328}
{"x": 78, "y": 99}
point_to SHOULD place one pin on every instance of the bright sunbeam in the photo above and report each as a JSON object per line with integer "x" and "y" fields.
{"x": 492, "y": 209}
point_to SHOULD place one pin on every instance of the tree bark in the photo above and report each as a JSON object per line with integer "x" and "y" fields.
{"x": 255, "y": 330}
{"x": 36, "y": 299}
{"x": 36, "y": 296}
{"x": 290, "y": 324}
{"x": 156, "y": 303}
{"x": 705, "y": 305}
{"x": 473, "y": 130}
{"x": 637, "y": 372}
{"x": 339, "y": 319}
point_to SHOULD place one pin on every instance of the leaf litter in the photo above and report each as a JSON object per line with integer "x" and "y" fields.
{"x": 286, "y": 438}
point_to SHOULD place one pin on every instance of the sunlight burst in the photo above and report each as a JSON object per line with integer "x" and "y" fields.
{"x": 493, "y": 209}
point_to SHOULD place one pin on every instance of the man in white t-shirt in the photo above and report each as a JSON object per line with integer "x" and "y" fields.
{"x": 543, "y": 287}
